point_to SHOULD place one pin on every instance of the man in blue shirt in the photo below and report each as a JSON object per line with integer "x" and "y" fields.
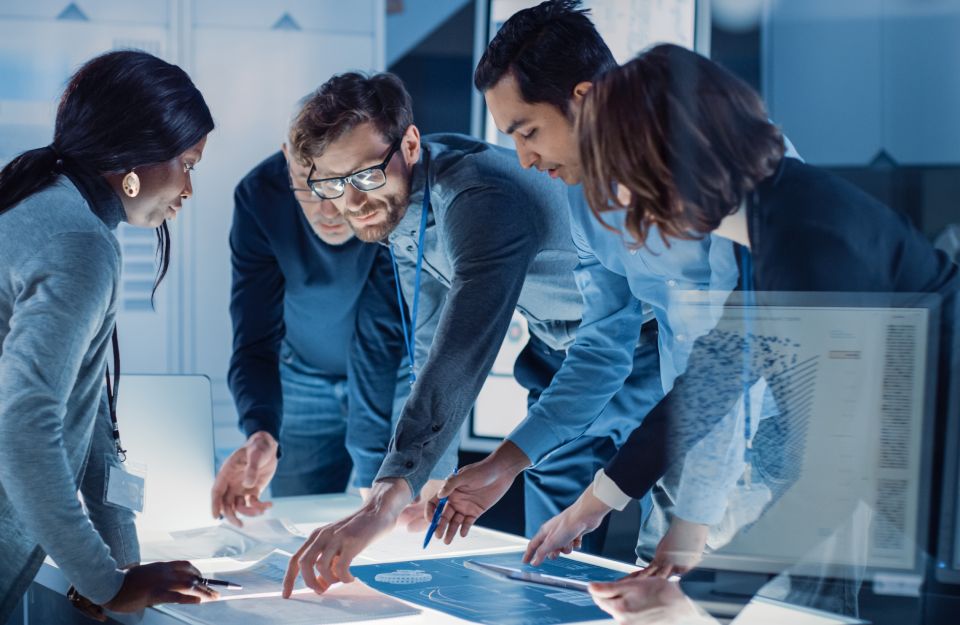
{"x": 533, "y": 75}
{"x": 475, "y": 237}
{"x": 299, "y": 279}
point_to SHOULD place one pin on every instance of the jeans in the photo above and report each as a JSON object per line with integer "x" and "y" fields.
{"x": 314, "y": 456}
{"x": 555, "y": 484}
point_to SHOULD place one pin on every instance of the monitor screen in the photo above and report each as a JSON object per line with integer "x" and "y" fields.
{"x": 859, "y": 403}
{"x": 166, "y": 426}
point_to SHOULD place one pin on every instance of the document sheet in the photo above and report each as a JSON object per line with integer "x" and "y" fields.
{"x": 259, "y": 600}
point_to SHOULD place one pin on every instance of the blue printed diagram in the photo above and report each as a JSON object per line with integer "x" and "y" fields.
{"x": 445, "y": 584}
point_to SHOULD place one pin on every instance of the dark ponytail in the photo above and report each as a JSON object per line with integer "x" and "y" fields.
{"x": 120, "y": 110}
{"x": 28, "y": 173}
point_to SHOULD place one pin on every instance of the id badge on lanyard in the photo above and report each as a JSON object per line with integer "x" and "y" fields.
{"x": 125, "y": 482}
{"x": 125, "y": 485}
{"x": 409, "y": 333}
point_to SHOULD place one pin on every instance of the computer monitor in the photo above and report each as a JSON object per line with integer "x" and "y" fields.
{"x": 861, "y": 410}
{"x": 166, "y": 425}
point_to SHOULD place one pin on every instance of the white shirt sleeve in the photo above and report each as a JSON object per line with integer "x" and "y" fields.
{"x": 607, "y": 491}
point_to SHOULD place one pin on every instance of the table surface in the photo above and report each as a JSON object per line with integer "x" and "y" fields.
{"x": 306, "y": 512}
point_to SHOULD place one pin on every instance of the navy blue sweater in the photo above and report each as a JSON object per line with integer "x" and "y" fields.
{"x": 289, "y": 286}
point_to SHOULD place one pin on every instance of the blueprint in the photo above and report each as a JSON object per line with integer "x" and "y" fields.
{"x": 444, "y": 584}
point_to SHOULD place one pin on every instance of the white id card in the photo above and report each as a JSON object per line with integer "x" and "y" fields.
{"x": 125, "y": 484}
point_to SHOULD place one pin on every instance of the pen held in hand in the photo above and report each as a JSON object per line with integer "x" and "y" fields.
{"x": 435, "y": 521}
{"x": 205, "y": 581}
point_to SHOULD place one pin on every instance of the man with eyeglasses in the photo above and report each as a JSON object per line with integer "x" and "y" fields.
{"x": 301, "y": 281}
{"x": 474, "y": 237}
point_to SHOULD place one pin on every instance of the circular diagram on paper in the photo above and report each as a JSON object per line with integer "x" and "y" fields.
{"x": 404, "y": 576}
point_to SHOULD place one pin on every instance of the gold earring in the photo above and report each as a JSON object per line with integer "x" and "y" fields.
{"x": 131, "y": 184}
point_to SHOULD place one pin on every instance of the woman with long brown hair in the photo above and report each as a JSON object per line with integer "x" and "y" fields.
{"x": 679, "y": 143}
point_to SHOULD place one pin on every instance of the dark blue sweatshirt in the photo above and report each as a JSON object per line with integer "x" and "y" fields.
{"x": 290, "y": 286}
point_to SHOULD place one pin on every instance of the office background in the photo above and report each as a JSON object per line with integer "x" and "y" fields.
{"x": 869, "y": 89}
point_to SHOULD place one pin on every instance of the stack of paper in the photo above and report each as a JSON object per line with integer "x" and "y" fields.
{"x": 256, "y": 538}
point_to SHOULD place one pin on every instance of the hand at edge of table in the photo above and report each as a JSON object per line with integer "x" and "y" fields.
{"x": 243, "y": 477}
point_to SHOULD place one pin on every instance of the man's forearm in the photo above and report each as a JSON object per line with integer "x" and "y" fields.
{"x": 388, "y": 497}
{"x": 509, "y": 459}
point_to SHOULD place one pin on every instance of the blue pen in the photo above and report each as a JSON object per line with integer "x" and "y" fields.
{"x": 435, "y": 521}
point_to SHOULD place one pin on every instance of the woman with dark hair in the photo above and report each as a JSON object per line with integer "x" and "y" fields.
{"x": 681, "y": 144}
{"x": 129, "y": 130}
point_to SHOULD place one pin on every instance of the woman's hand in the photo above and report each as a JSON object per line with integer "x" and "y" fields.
{"x": 679, "y": 551}
{"x": 160, "y": 582}
{"x": 647, "y": 600}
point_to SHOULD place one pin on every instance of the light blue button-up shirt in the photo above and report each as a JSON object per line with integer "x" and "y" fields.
{"x": 615, "y": 278}
{"x": 683, "y": 286}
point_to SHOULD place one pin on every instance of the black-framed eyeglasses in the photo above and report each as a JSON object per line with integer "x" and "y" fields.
{"x": 302, "y": 195}
{"x": 364, "y": 180}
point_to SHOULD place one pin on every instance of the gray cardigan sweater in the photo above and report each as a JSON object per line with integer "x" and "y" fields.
{"x": 59, "y": 275}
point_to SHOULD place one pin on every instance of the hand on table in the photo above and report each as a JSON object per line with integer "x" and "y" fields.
{"x": 244, "y": 475}
{"x": 647, "y": 600}
{"x": 325, "y": 557}
{"x": 679, "y": 551}
{"x": 564, "y": 532}
{"x": 416, "y": 517}
{"x": 159, "y": 582}
{"x": 474, "y": 490}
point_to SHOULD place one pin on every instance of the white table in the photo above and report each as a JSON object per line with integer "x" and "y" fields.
{"x": 317, "y": 510}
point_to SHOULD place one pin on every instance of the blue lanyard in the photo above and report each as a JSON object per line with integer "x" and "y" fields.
{"x": 749, "y": 302}
{"x": 409, "y": 332}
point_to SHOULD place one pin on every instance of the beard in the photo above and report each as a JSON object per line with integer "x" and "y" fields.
{"x": 393, "y": 207}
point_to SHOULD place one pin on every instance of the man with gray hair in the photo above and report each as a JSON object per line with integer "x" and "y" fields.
{"x": 300, "y": 281}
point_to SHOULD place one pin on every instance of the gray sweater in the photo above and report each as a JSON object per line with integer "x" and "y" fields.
{"x": 59, "y": 275}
